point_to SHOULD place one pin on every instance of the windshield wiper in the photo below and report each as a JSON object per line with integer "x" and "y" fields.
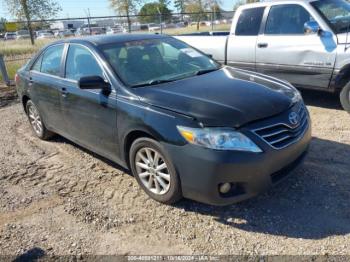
{"x": 205, "y": 71}
{"x": 154, "y": 82}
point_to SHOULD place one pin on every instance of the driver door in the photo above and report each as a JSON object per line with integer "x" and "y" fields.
{"x": 286, "y": 52}
{"x": 90, "y": 116}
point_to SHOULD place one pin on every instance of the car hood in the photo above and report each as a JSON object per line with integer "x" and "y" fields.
{"x": 226, "y": 97}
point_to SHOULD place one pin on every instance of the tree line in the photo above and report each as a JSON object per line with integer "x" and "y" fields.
{"x": 149, "y": 10}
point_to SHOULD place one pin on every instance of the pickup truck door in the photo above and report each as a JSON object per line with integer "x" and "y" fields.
{"x": 285, "y": 51}
{"x": 242, "y": 39}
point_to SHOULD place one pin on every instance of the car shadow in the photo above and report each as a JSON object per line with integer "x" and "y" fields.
{"x": 312, "y": 203}
{"x": 321, "y": 99}
{"x": 61, "y": 139}
{"x": 34, "y": 254}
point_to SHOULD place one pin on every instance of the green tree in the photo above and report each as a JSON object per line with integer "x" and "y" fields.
{"x": 215, "y": 9}
{"x": 180, "y": 7}
{"x": 125, "y": 8}
{"x": 150, "y": 12}
{"x": 2, "y": 24}
{"x": 197, "y": 10}
{"x": 28, "y": 10}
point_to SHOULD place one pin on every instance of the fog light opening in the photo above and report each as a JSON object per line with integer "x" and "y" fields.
{"x": 225, "y": 188}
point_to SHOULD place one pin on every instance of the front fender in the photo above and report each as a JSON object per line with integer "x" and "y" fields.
{"x": 158, "y": 123}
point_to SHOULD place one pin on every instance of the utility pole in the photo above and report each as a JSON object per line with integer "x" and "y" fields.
{"x": 160, "y": 20}
{"x": 87, "y": 12}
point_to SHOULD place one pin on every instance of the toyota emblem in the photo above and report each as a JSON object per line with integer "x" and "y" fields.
{"x": 293, "y": 118}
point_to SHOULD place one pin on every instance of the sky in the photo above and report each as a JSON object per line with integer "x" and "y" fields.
{"x": 78, "y": 8}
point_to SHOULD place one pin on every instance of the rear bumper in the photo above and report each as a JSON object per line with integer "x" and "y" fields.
{"x": 202, "y": 170}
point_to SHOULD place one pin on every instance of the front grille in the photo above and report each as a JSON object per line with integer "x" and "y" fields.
{"x": 283, "y": 134}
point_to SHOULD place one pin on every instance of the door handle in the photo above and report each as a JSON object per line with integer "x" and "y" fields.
{"x": 64, "y": 92}
{"x": 262, "y": 45}
{"x": 30, "y": 81}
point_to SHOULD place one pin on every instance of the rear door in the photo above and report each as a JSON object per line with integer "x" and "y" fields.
{"x": 44, "y": 81}
{"x": 286, "y": 52}
{"x": 242, "y": 39}
{"x": 90, "y": 116}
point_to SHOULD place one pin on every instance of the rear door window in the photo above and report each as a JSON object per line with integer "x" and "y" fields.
{"x": 37, "y": 64}
{"x": 51, "y": 60}
{"x": 249, "y": 21}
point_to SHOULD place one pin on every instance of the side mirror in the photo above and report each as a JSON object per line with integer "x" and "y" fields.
{"x": 94, "y": 82}
{"x": 312, "y": 27}
{"x": 209, "y": 55}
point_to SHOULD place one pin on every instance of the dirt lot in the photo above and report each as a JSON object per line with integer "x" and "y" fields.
{"x": 57, "y": 198}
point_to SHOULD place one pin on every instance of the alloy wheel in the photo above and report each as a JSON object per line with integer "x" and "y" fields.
{"x": 152, "y": 170}
{"x": 35, "y": 120}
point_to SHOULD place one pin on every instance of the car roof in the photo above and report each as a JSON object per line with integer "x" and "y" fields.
{"x": 110, "y": 39}
{"x": 274, "y": 2}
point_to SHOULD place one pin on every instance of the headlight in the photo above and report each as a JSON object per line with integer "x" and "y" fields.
{"x": 218, "y": 138}
{"x": 297, "y": 96}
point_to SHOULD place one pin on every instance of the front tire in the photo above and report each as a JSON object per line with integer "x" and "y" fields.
{"x": 345, "y": 97}
{"x": 36, "y": 122}
{"x": 154, "y": 171}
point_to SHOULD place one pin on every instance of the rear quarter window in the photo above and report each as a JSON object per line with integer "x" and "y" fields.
{"x": 249, "y": 21}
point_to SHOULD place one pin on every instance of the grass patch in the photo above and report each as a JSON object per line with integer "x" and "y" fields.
{"x": 12, "y": 68}
{"x": 21, "y": 47}
{"x": 193, "y": 29}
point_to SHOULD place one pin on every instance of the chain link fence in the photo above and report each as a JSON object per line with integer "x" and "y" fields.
{"x": 16, "y": 48}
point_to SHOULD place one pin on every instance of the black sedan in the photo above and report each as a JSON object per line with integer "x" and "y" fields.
{"x": 183, "y": 124}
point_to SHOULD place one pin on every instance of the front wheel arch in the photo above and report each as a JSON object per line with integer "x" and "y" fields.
{"x": 130, "y": 138}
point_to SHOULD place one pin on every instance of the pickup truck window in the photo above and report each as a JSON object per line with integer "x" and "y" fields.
{"x": 335, "y": 12}
{"x": 249, "y": 21}
{"x": 287, "y": 20}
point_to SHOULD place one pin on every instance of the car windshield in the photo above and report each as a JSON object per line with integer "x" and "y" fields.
{"x": 155, "y": 61}
{"x": 335, "y": 12}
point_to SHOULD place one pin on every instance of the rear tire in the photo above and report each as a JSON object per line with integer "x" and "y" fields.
{"x": 36, "y": 122}
{"x": 345, "y": 97}
{"x": 154, "y": 171}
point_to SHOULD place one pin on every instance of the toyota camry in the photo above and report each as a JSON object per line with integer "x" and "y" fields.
{"x": 184, "y": 125}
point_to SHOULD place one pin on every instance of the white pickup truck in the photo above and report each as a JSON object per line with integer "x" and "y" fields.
{"x": 302, "y": 41}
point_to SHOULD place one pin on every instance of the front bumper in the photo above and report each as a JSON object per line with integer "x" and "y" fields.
{"x": 202, "y": 170}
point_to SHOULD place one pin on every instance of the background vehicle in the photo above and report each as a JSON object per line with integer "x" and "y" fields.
{"x": 303, "y": 42}
{"x": 22, "y": 34}
{"x": 183, "y": 124}
{"x": 115, "y": 30}
{"x": 10, "y": 36}
{"x": 153, "y": 27}
{"x": 65, "y": 33}
{"x": 42, "y": 34}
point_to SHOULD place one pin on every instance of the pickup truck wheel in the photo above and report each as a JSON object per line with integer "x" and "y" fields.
{"x": 345, "y": 97}
{"x": 36, "y": 122}
{"x": 154, "y": 171}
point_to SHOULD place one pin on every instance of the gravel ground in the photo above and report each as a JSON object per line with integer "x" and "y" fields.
{"x": 57, "y": 198}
